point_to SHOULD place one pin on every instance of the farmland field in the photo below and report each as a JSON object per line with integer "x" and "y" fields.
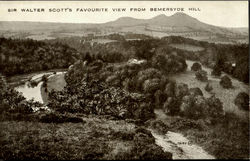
{"x": 187, "y": 47}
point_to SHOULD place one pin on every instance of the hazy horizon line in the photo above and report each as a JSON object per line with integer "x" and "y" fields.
{"x": 93, "y": 23}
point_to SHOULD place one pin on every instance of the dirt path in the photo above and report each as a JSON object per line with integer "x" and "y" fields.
{"x": 180, "y": 146}
{"x": 177, "y": 144}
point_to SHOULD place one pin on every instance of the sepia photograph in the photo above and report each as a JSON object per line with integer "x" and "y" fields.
{"x": 124, "y": 80}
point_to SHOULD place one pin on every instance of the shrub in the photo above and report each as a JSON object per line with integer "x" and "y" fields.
{"x": 145, "y": 148}
{"x": 201, "y": 75}
{"x": 208, "y": 87}
{"x": 193, "y": 106}
{"x": 151, "y": 85}
{"x": 181, "y": 90}
{"x": 215, "y": 107}
{"x": 195, "y": 91}
{"x": 170, "y": 89}
{"x": 59, "y": 118}
{"x": 216, "y": 71}
{"x": 171, "y": 106}
{"x": 196, "y": 67}
{"x": 159, "y": 126}
{"x": 226, "y": 82}
{"x": 242, "y": 101}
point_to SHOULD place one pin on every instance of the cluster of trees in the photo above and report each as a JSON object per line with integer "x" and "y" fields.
{"x": 11, "y": 101}
{"x": 220, "y": 57}
{"x": 144, "y": 74}
{"x": 190, "y": 103}
{"x": 93, "y": 97}
{"x": 24, "y": 56}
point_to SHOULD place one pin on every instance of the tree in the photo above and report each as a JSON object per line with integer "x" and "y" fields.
{"x": 181, "y": 90}
{"x": 3, "y": 84}
{"x": 242, "y": 101}
{"x": 195, "y": 91}
{"x": 170, "y": 89}
{"x": 201, "y": 75}
{"x": 226, "y": 82}
{"x": 193, "y": 106}
{"x": 216, "y": 70}
{"x": 151, "y": 85}
{"x": 208, "y": 87}
{"x": 215, "y": 107}
{"x": 171, "y": 106}
{"x": 196, "y": 67}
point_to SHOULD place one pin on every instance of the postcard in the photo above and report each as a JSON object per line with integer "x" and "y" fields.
{"x": 126, "y": 80}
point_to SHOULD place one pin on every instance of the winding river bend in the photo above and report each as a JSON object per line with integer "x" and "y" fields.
{"x": 30, "y": 92}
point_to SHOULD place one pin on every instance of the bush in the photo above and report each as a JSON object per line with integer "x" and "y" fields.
{"x": 196, "y": 67}
{"x": 159, "y": 126}
{"x": 242, "y": 101}
{"x": 195, "y": 91}
{"x": 59, "y": 118}
{"x": 193, "y": 106}
{"x": 216, "y": 71}
{"x": 226, "y": 82}
{"x": 170, "y": 89}
{"x": 145, "y": 148}
{"x": 171, "y": 106}
{"x": 181, "y": 90}
{"x": 201, "y": 75}
{"x": 151, "y": 85}
{"x": 215, "y": 107}
{"x": 208, "y": 87}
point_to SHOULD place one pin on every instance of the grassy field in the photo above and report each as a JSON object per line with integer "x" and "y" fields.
{"x": 43, "y": 36}
{"x": 93, "y": 138}
{"x": 56, "y": 82}
{"x": 227, "y": 96}
{"x": 187, "y": 47}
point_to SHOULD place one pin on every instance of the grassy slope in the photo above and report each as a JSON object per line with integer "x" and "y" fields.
{"x": 219, "y": 140}
{"x": 187, "y": 47}
{"x": 227, "y": 96}
{"x": 94, "y": 138}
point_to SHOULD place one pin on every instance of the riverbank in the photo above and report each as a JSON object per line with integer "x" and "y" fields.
{"x": 55, "y": 82}
{"x": 18, "y": 80}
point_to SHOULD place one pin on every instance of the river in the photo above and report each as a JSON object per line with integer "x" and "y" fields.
{"x": 30, "y": 92}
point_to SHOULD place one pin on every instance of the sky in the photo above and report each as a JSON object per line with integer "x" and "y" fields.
{"x": 219, "y": 13}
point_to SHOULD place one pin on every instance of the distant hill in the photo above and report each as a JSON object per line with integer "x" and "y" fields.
{"x": 179, "y": 24}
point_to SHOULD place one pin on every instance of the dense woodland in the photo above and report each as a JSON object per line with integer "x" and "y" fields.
{"x": 24, "y": 56}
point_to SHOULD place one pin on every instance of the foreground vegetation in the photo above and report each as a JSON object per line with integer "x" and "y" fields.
{"x": 63, "y": 135}
{"x": 93, "y": 138}
{"x": 227, "y": 139}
